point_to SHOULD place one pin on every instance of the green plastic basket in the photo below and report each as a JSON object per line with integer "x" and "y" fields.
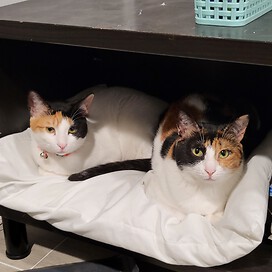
{"x": 230, "y": 12}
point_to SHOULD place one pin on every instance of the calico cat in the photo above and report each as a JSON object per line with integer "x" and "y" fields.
{"x": 197, "y": 156}
{"x": 98, "y": 125}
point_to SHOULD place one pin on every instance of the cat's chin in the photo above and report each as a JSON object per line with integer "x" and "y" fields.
{"x": 214, "y": 180}
{"x": 209, "y": 180}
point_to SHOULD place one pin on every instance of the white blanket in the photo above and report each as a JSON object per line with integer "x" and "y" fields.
{"x": 113, "y": 208}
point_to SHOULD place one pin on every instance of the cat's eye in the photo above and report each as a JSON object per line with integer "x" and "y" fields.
{"x": 72, "y": 130}
{"x": 224, "y": 153}
{"x": 197, "y": 152}
{"x": 50, "y": 129}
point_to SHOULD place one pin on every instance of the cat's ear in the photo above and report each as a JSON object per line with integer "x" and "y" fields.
{"x": 186, "y": 126}
{"x": 238, "y": 127}
{"x": 37, "y": 106}
{"x": 86, "y": 103}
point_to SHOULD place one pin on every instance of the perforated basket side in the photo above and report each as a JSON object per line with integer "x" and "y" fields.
{"x": 230, "y": 12}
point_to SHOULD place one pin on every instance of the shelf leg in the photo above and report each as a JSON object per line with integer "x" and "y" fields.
{"x": 17, "y": 246}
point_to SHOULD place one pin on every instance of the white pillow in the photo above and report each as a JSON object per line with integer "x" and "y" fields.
{"x": 114, "y": 209}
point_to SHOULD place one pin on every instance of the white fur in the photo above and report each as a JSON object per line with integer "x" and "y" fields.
{"x": 122, "y": 126}
{"x": 190, "y": 190}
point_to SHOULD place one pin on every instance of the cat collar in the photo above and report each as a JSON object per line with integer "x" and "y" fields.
{"x": 64, "y": 155}
{"x": 44, "y": 155}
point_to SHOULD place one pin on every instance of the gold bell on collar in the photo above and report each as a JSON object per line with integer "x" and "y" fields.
{"x": 44, "y": 155}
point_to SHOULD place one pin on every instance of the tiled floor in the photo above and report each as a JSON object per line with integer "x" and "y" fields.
{"x": 50, "y": 249}
{"x": 10, "y": 2}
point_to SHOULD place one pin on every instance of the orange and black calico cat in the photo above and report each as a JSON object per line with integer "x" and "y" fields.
{"x": 197, "y": 156}
{"x": 98, "y": 125}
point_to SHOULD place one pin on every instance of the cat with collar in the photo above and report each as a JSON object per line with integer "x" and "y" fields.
{"x": 97, "y": 126}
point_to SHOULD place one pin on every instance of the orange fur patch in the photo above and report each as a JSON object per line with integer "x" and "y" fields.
{"x": 169, "y": 124}
{"x": 171, "y": 150}
{"x": 171, "y": 118}
{"x": 42, "y": 122}
{"x": 234, "y": 159}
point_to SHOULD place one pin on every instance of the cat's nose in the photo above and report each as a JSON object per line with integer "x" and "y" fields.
{"x": 210, "y": 172}
{"x": 62, "y": 146}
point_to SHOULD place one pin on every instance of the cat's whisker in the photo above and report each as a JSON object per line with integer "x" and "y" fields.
{"x": 75, "y": 119}
{"x": 77, "y": 110}
{"x": 75, "y": 115}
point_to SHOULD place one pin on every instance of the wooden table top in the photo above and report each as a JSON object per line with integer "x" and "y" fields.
{"x": 144, "y": 26}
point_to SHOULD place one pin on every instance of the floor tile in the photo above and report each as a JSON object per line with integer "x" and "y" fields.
{"x": 50, "y": 249}
{"x": 44, "y": 242}
{"x": 8, "y": 268}
{"x": 10, "y": 2}
{"x": 73, "y": 251}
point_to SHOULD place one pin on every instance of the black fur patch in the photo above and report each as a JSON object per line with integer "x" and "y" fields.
{"x": 182, "y": 152}
{"x": 81, "y": 128}
{"x": 168, "y": 142}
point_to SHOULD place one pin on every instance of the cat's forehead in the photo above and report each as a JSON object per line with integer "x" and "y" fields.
{"x": 64, "y": 108}
{"x": 58, "y": 117}
{"x": 211, "y": 131}
{"x": 216, "y": 142}
{"x": 53, "y": 120}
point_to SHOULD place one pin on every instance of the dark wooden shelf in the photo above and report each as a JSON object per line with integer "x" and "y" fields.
{"x": 217, "y": 56}
{"x": 143, "y": 26}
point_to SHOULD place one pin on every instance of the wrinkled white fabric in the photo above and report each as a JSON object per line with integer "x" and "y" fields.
{"x": 114, "y": 209}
